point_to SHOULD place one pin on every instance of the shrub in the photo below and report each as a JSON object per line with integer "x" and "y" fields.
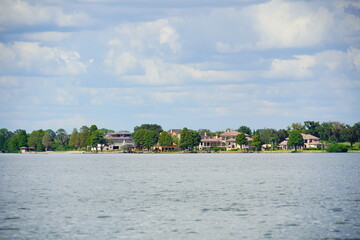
{"x": 336, "y": 147}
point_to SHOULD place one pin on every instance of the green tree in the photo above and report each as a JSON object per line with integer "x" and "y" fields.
{"x": 96, "y": 138}
{"x": 47, "y": 140}
{"x": 208, "y": 133}
{"x": 35, "y": 140}
{"x": 312, "y": 127}
{"x": 282, "y": 134}
{"x": 244, "y": 129}
{"x": 189, "y": 139}
{"x": 256, "y": 142}
{"x": 62, "y": 137}
{"x": 83, "y": 136}
{"x": 19, "y": 139}
{"x": 325, "y": 131}
{"x": 105, "y": 131}
{"x": 152, "y": 127}
{"x": 75, "y": 139}
{"x": 295, "y": 139}
{"x": 241, "y": 140}
{"x": 165, "y": 139}
{"x": 5, "y": 135}
{"x": 296, "y": 126}
{"x": 267, "y": 134}
{"x": 145, "y": 138}
{"x": 356, "y": 129}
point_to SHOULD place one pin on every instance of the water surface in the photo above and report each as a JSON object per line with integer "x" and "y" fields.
{"x": 180, "y": 196}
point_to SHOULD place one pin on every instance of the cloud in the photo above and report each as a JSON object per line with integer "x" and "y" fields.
{"x": 31, "y": 57}
{"x": 47, "y": 36}
{"x": 22, "y": 13}
{"x": 291, "y": 24}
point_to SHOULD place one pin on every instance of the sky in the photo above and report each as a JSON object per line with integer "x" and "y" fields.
{"x": 183, "y": 63}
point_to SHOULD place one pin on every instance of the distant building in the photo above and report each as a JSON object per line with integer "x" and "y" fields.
{"x": 175, "y": 132}
{"x": 226, "y": 140}
{"x": 27, "y": 149}
{"x": 119, "y": 140}
{"x": 229, "y": 137}
{"x": 310, "y": 141}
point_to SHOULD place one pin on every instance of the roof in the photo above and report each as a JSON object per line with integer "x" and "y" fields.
{"x": 117, "y": 138}
{"x": 309, "y": 136}
{"x": 283, "y": 142}
{"x": 231, "y": 134}
{"x": 174, "y": 131}
{"x": 120, "y": 132}
{"x": 214, "y": 139}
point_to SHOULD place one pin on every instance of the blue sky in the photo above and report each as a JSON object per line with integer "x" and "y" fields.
{"x": 200, "y": 63}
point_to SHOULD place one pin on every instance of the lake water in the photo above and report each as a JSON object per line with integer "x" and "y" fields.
{"x": 180, "y": 196}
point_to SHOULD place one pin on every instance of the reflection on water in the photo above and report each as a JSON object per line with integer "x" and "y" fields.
{"x": 180, "y": 196}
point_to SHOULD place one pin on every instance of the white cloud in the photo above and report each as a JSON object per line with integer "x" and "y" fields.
{"x": 322, "y": 65}
{"x": 22, "y": 13}
{"x": 31, "y": 57}
{"x": 288, "y": 24}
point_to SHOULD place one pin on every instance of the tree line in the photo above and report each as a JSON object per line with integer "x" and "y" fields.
{"x": 146, "y": 136}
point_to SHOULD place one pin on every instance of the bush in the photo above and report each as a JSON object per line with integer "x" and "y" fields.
{"x": 336, "y": 147}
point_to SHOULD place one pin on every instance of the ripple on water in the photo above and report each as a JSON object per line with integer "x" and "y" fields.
{"x": 336, "y": 209}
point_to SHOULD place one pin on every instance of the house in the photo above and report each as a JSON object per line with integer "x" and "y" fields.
{"x": 310, "y": 141}
{"x": 163, "y": 148}
{"x": 120, "y": 139}
{"x": 229, "y": 138}
{"x": 27, "y": 149}
{"x": 210, "y": 143}
{"x": 175, "y": 132}
{"x": 226, "y": 140}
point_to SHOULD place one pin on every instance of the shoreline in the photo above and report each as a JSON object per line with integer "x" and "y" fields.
{"x": 180, "y": 152}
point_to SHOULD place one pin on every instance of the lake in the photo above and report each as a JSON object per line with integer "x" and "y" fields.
{"x": 180, "y": 196}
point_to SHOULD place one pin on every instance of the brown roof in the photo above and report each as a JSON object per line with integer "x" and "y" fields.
{"x": 309, "y": 136}
{"x": 214, "y": 139}
{"x": 231, "y": 134}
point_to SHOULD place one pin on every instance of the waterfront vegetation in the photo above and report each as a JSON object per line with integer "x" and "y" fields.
{"x": 146, "y": 136}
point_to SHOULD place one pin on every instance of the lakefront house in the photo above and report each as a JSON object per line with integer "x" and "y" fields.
{"x": 226, "y": 141}
{"x": 119, "y": 140}
{"x": 310, "y": 141}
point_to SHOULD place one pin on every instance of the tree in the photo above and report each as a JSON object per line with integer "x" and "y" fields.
{"x": 153, "y": 127}
{"x": 241, "y": 140}
{"x": 47, "y": 140}
{"x": 312, "y": 128}
{"x": 244, "y": 129}
{"x": 62, "y": 137}
{"x": 356, "y": 129}
{"x": 18, "y": 139}
{"x": 267, "y": 134}
{"x": 75, "y": 139}
{"x": 96, "y": 138}
{"x": 282, "y": 134}
{"x": 145, "y": 138}
{"x": 296, "y": 126}
{"x": 165, "y": 139}
{"x": 325, "y": 131}
{"x": 83, "y": 136}
{"x": 208, "y": 133}
{"x": 295, "y": 139}
{"x": 35, "y": 140}
{"x": 5, "y": 135}
{"x": 256, "y": 142}
{"x": 105, "y": 131}
{"x": 189, "y": 139}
